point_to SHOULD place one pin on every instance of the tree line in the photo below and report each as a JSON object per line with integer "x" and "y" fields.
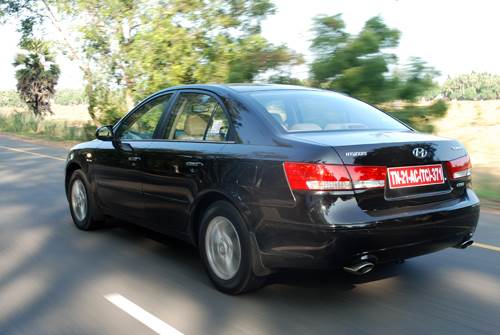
{"x": 473, "y": 86}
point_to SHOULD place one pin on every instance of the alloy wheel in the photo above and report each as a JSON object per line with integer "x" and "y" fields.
{"x": 223, "y": 248}
{"x": 79, "y": 200}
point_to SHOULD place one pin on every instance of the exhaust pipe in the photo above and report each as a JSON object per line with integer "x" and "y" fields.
{"x": 464, "y": 244}
{"x": 360, "y": 268}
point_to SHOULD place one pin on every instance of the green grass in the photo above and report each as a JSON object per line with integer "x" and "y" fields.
{"x": 24, "y": 123}
{"x": 486, "y": 184}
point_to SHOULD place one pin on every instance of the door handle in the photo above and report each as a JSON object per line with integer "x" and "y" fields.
{"x": 134, "y": 159}
{"x": 194, "y": 164}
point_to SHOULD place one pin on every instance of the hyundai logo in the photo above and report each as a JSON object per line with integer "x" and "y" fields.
{"x": 419, "y": 152}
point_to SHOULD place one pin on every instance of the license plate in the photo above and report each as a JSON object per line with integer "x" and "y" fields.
{"x": 413, "y": 176}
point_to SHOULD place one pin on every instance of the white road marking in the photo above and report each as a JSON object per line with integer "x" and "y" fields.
{"x": 141, "y": 315}
{"x": 32, "y": 153}
{"x": 486, "y": 246}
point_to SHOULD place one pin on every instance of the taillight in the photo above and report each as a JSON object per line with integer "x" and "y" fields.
{"x": 319, "y": 177}
{"x": 459, "y": 168}
{"x": 367, "y": 176}
{"x": 329, "y": 177}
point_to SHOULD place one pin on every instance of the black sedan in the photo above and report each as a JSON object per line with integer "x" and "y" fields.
{"x": 267, "y": 177}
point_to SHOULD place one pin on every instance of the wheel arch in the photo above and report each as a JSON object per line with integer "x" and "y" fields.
{"x": 200, "y": 205}
{"x": 70, "y": 168}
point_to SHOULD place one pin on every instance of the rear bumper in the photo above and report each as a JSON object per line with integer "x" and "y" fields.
{"x": 384, "y": 237}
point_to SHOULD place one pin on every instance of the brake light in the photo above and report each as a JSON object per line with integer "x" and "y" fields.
{"x": 319, "y": 177}
{"x": 459, "y": 168}
{"x": 329, "y": 177}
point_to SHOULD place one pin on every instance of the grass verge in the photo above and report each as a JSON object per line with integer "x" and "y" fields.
{"x": 486, "y": 184}
{"x": 25, "y": 124}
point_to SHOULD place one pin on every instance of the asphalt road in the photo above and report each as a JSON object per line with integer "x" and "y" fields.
{"x": 55, "y": 279}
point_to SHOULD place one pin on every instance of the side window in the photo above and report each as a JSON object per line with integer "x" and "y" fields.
{"x": 142, "y": 124}
{"x": 197, "y": 117}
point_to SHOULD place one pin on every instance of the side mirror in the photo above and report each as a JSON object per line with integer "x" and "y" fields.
{"x": 104, "y": 133}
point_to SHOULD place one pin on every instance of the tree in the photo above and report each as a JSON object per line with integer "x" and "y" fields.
{"x": 130, "y": 49}
{"x": 417, "y": 78}
{"x": 360, "y": 65}
{"x": 37, "y": 75}
{"x": 27, "y": 13}
{"x": 136, "y": 48}
{"x": 285, "y": 79}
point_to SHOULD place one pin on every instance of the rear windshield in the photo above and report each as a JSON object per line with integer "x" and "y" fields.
{"x": 297, "y": 110}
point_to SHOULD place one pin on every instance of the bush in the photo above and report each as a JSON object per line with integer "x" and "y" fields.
{"x": 473, "y": 86}
{"x": 420, "y": 117}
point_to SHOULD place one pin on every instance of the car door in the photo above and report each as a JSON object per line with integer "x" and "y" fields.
{"x": 118, "y": 165}
{"x": 182, "y": 163}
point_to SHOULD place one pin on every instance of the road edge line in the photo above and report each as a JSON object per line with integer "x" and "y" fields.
{"x": 32, "y": 153}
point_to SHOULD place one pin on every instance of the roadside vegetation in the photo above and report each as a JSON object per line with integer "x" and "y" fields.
{"x": 63, "y": 97}
{"x": 476, "y": 124}
{"x": 26, "y": 124}
{"x": 486, "y": 183}
{"x": 419, "y": 116}
{"x": 68, "y": 122}
{"x": 472, "y": 86}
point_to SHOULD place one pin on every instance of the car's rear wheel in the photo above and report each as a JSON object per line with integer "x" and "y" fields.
{"x": 81, "y": 204}
{"x": 225, "y": 248}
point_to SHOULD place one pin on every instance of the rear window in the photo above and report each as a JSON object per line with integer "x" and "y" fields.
{"x": 297, "y": 110}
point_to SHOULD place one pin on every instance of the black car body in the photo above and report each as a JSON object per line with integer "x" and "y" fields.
{"x": 256, "y": 161}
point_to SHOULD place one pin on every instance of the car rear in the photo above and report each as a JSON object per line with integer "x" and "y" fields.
{"x": 392, "y": 193}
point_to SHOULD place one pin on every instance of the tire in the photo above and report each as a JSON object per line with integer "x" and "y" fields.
{"x": 239, "y": 277}
{"x": 78, "y": 192}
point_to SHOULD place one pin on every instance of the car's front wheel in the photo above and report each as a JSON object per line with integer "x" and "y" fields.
{"x": 84, "y": 214}
{"x": 225, "y": 248}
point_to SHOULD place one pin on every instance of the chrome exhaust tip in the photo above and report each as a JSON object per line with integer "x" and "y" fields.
{"x": 464, "y": 244}
{"x": 360, "y": 268}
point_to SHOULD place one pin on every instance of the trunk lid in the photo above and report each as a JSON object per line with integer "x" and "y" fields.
{"x": 394, "y": 149}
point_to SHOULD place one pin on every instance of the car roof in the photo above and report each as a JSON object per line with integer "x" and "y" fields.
{"x": 264, "y": 87}
{"x": 243, "y": 87}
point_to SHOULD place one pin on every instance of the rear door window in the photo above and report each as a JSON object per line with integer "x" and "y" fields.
{"x": 197, "y": 117}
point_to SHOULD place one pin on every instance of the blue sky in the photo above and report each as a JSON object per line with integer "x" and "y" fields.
{"x": 453, "y": 36}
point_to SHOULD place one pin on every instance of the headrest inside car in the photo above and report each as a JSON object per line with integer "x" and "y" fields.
{"x": 195, "y": 124}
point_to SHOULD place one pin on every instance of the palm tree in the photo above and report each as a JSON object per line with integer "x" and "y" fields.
{"x": 37, "y": 75}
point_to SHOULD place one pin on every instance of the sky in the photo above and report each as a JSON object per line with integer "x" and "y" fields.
{"x": 455, "y": 37}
